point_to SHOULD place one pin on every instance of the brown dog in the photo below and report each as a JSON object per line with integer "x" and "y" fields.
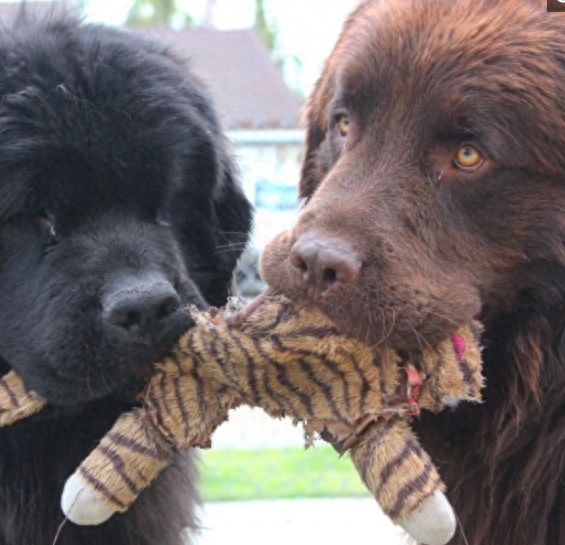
{"x": 434, "y": 179}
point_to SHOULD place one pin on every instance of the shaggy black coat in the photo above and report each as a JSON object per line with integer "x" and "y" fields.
{"x": 118, "y": 205}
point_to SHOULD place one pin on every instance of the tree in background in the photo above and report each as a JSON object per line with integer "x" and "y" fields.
{"x": 266, "y": 29}
{"x": 158, "y": 12}
{"x": 80, "y": 5}
{"x": 167, "y": 13}
{"x": 291, "y": 65}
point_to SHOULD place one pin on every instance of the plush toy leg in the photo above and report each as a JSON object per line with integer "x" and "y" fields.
{"x": 404, "y": 481}
{"x": 16, "y": 401}
{"x": 127, "y": 460}
{"x": 433, "y": 522}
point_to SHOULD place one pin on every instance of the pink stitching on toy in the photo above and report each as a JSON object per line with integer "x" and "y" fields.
{"x": 459, "y": 345}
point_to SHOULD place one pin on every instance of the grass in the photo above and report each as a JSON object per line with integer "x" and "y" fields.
{"x": 235, "y": 474}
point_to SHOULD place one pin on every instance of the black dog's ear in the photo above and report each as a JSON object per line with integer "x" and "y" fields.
{"x": 227, "y": 210}
{"x": 234, "y": 216}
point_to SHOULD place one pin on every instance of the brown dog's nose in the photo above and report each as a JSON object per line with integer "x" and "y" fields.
{"x": 323, "y": 262}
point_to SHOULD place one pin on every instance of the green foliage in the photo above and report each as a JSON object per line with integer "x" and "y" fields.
{"x": 269, "y": 32}
{"x": 157, "y": 12}
{"x": 266, "y": 29}
{"x": 80, "y": 5}
{"x": 234, "y": 474}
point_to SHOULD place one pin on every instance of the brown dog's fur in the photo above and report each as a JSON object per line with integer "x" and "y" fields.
{"x": 438, "y": 245}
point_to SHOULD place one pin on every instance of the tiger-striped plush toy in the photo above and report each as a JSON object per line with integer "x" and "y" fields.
{"x": 290, "y": 361}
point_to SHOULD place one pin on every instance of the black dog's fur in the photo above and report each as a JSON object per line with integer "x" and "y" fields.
{"x": 113, "y": 173}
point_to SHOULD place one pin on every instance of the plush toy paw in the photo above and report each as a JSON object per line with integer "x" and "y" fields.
{"x": 433, "y": 523}
{"x": 80, "y": 505}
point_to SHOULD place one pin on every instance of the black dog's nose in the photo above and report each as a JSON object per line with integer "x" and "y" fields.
{"x": 322, "y": 262}
{"x": 140, "y": 302}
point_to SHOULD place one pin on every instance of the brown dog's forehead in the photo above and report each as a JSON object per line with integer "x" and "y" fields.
{"x": 419, "y": 35}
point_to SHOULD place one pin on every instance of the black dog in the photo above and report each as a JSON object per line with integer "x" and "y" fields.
{"x": 118, "y": 206}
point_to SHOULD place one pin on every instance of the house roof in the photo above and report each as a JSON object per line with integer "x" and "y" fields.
{"x": 245, "y": 82}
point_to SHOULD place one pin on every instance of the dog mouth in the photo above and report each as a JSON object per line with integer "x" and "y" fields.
{"x": 112, "y": 363}
{"x": 236, "y": 317}
{"x": 404, "y": 311}
{"x": 399, "y": 327}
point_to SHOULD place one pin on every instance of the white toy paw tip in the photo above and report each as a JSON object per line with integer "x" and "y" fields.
{"x": 80, "y": 505}
{"x": 433, "y": 523}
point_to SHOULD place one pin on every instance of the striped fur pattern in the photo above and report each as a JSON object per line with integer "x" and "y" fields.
{"x": 395, "y": 468}
{"x": 290, "y": 361}
{"x": 119, "y": 477}
{"x": 16, "y": 401}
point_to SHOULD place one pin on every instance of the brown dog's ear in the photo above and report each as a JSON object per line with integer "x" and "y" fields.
{"x": 314, "y": 167}
{"x": 308, "y": 177}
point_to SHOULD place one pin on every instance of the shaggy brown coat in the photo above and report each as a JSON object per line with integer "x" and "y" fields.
{"x": 398, "y": 229}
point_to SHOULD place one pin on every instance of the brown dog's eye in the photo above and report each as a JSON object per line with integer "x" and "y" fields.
{"x": 343, "y": 124}
{"x": 468, "y": 157}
